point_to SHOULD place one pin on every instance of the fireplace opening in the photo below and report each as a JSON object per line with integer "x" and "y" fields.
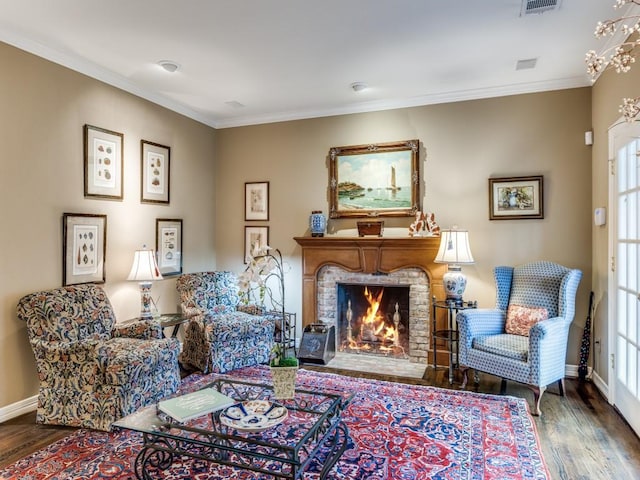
{"x": 373, "y": 319}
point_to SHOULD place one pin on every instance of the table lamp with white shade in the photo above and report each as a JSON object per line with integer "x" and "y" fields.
{"x": 145, "y": 270}
{"x": 454, "y": 250}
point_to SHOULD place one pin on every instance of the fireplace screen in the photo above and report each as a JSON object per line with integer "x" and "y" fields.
{"x": 373, "y": 319}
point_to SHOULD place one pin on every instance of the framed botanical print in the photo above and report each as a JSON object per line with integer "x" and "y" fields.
{"x": 155, "y": 169}
{"x": 254, "y": 237}
{"x": 84, "y": 241}
{"x": 169, "y": 246}
{"x": 102, "y": 163}
{"x": 256, "y": 201}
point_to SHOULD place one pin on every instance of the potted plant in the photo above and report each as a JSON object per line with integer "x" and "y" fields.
{"x": 265, "y": 269}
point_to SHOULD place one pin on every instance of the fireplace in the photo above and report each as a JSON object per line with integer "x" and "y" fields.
{"x": 389, "y": 262}
{"x": 373, "y": 319}
{"x": 409, "y": 287}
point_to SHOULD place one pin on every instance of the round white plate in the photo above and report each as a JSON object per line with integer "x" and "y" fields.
{"x": 253, "y": 415}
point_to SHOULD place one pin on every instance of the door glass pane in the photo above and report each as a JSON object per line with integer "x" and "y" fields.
{"x": 621, "y": 265}
{"x": 622, "y": 168}
{"x": 632, "y": 215}
{"x": 631, "y": 271}
{"x": 631, "y": 318}
{"x": 621, "y": 365}
{"x": 632, "y": 363}
{"x": 622, "y": 312}
{"x": 622, "y": 216}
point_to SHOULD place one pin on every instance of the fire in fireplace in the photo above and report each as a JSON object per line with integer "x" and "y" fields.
{"x": 373, "y": 319}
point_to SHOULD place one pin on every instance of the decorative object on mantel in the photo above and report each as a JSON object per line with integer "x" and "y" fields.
{"x": 376, "y": 180}
{"x": 424, "y": 226}
{"x": 454, "y": 250}
{"x": 266, "y": 264}
{"x": 620, "y": 55}
{"x": 370, "y": 228}
{"x": 317, "y": 223}
{"x": 144, "y": 270}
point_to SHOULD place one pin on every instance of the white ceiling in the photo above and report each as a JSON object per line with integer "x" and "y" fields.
{"x": 293, "y": 59}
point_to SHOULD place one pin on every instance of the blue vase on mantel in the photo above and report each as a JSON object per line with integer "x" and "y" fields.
{"x": 317, "y": 223}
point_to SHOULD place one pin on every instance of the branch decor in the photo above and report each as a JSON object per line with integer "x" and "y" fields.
{"x": 620, "y": 56}
{"x": 263, "y": 279}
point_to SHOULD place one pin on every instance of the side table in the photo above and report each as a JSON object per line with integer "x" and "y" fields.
{"x": 450, "y": 334}
{"x": 172, "y": 320}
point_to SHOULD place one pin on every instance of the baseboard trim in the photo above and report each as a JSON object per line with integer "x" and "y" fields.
{"x": 19, "y": 408}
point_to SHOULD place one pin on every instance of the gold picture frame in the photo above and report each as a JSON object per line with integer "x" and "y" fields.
{"x": 375, "y": 180}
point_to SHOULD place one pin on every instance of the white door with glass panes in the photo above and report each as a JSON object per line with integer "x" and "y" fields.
{"x": 624, "y": 284}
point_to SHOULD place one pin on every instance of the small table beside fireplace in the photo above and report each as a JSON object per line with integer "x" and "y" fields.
{"x": 448, "y": 335}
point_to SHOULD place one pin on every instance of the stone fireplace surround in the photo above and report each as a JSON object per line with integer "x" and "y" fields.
{"x": 414, "y": 278}
{"x": 368, "y": 257}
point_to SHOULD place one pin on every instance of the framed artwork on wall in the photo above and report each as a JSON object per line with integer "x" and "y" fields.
{"x": 84, "y": 241}
{"x": 512, "y": 198}
{"x": 374, "y": 180}
{"x": 102, "y": 163}
{"x": 155, "y": 169}
{"x": 169, "y": 245}
{"x": 253, "y": 237}
{"x": 256, "y": 201}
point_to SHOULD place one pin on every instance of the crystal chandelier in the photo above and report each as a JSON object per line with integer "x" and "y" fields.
{"x": 620, "y": 56}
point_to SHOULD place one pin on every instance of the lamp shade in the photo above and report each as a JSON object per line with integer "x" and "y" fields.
{"x": 144, "y": 268}
{"x": 454, "y": 247}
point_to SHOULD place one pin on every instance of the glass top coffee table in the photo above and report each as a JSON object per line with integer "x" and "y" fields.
{"x": 311, "y": 434}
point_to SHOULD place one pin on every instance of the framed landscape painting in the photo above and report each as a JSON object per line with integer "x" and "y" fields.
{"x": 513, "y": 198}
{"x": 84, "y": 240}
{"x": 374, "y": 180}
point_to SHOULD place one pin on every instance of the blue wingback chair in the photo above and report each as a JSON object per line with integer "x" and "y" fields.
{"x": 92, "y": 370}
{"x": 538, "y": 359}
{"x": 222, "y": 335}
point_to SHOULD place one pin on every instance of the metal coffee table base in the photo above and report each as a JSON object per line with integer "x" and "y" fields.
{"x": 160, "y": 452}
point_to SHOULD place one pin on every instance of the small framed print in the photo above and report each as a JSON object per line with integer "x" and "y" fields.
{"x": 256, "y": 201}
{"x": 169, "y": 246}
{"x": 513, "y": 198}
{"x": 254, "y": 237}
{"x": 102, "y": 163}
{"x": 84, "y": 241}
{"x": 154, "y": 180}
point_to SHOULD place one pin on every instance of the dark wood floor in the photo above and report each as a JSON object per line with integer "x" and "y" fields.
{"x": 582, "y": 436}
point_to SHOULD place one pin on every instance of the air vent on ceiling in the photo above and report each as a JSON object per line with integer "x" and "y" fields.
{"x": 539, "y": 6}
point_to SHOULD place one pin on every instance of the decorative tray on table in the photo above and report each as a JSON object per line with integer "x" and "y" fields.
{"x": 253, "y": 415}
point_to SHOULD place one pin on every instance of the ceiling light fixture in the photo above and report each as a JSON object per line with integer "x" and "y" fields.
{"x": 168, "y": 65}
{"x": 359, "y": 86}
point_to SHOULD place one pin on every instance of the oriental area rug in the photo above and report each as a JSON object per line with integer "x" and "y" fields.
{"x": 396, "y": 431}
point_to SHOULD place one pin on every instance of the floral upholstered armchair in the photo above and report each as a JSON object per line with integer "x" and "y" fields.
{"x": 524, "y": 338}
{"x": 93, "y": 371}
{"x": 221, "y": 335}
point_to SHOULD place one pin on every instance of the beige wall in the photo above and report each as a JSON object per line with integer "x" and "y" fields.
{"x": 462, "y": 145}
{"x": 44, "y": 108}
{"x": 607, "y": 96}
{"x": 465, "y": 144}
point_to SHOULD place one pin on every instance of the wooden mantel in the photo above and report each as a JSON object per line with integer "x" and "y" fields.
{"x": 366, "y": 255}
